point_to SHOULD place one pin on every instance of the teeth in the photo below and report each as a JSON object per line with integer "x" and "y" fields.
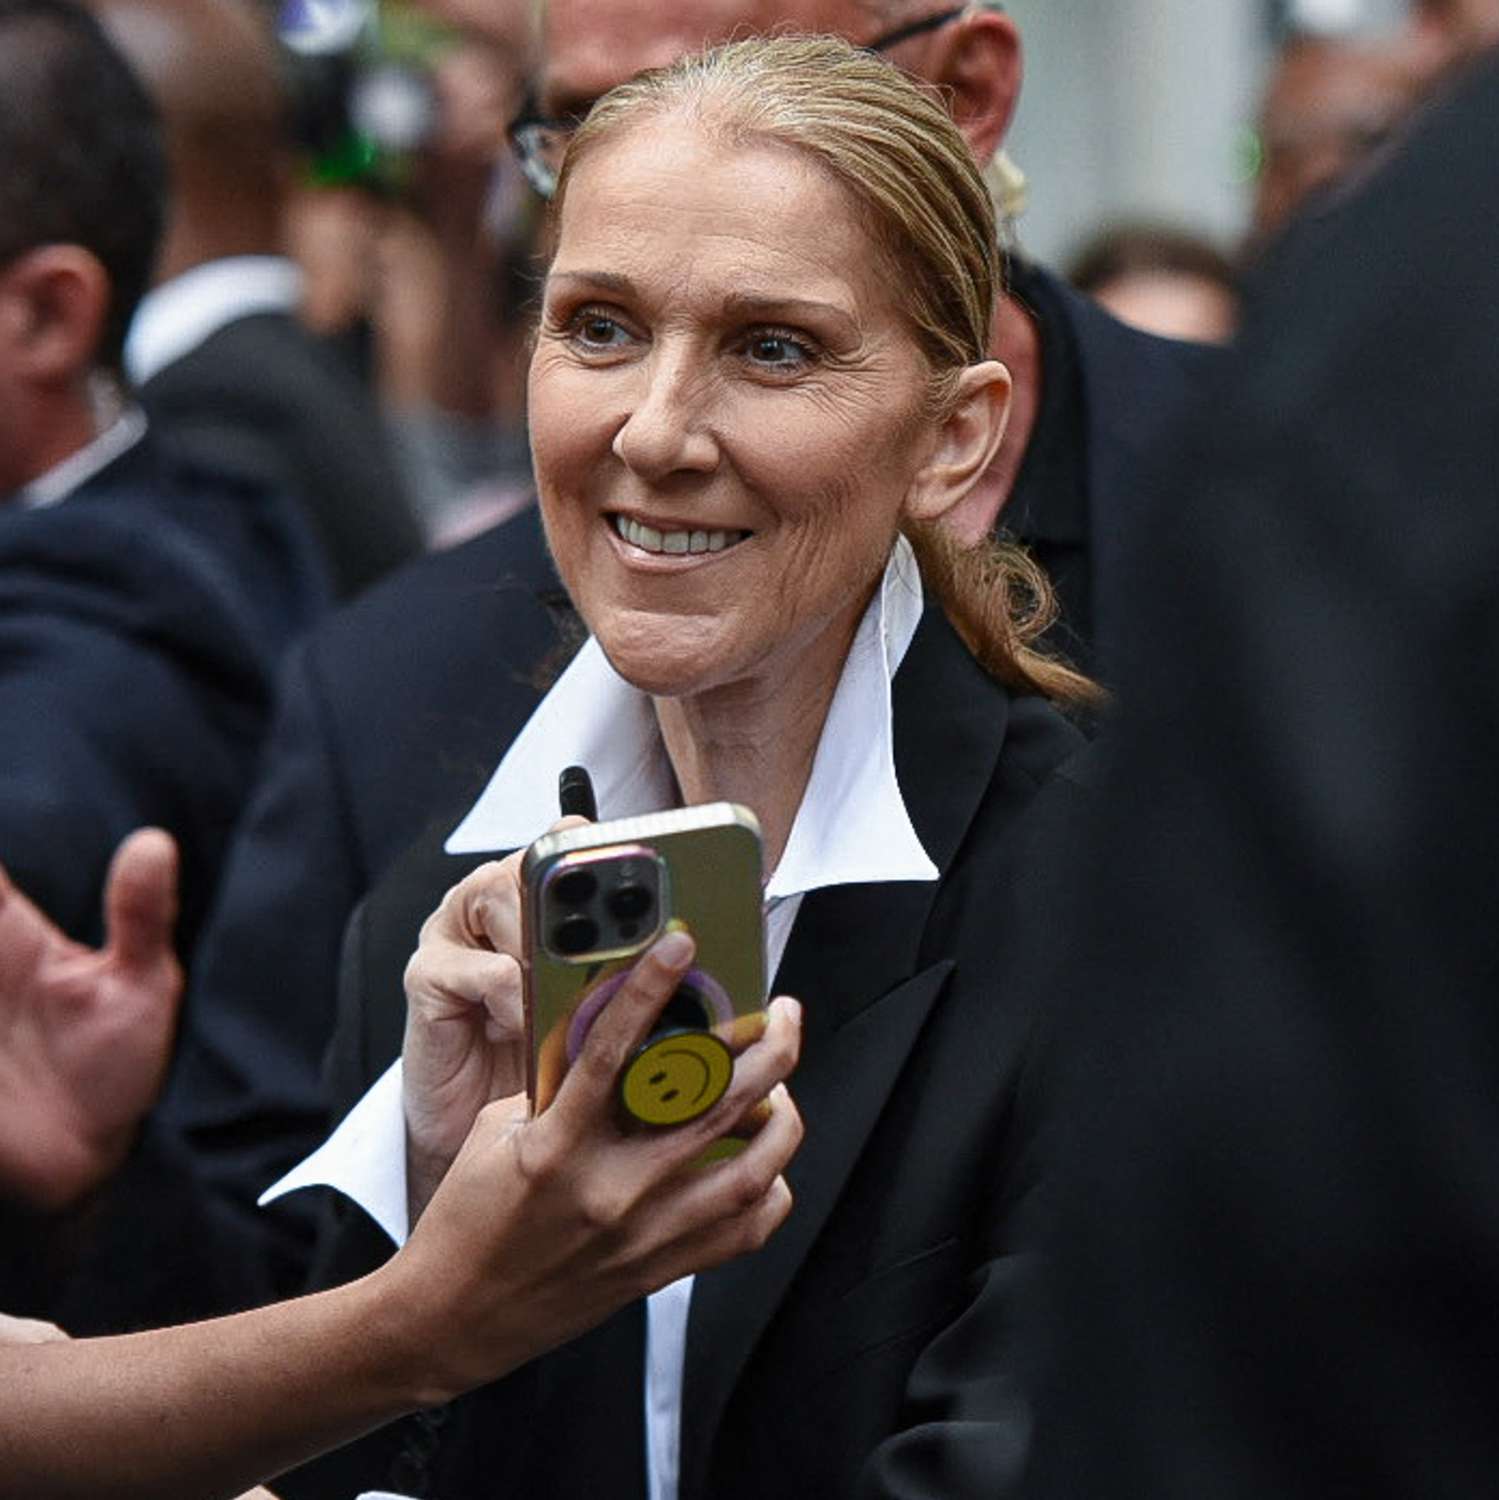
{"x": 648, "y": 539}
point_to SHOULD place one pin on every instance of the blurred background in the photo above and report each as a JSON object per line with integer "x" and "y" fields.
{"x": 1161, "y": 143}
{"x": 1147, "y": 108}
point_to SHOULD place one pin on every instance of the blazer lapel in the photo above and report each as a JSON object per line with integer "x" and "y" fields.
{"x": 856, "y": 960}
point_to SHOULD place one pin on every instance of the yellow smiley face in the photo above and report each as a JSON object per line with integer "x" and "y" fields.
{"x": 676, "y": 1078}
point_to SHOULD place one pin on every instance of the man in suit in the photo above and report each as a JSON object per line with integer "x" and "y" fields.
{"x": 143, "y": 611}
{"x": 225, "y": 371}
{"x": 1277, "y": 1246}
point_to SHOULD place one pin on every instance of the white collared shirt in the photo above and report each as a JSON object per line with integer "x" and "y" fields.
{"x": 177, "y": 316}
{"x": 122, "y": 433}
{"x": 851, "y": 827}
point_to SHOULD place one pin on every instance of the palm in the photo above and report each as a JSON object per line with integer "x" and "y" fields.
{"x": 84, "y": 1034}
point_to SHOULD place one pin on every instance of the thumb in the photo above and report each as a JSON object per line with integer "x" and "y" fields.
{"x": 140, "y": 898}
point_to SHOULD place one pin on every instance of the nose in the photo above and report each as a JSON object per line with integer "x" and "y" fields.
{"x": 667, "y": 429}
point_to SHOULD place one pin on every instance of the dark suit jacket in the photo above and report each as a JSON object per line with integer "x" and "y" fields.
{"x": 391, "y": 719}
{"x": 1133, "y": 389}
{"x": 1279, "y": 1250}
{"x": 841, "y": 1347}
{"x": 262, "y": 398}
{"x": 142, "y": 621}
{"x": 390, "y": 722}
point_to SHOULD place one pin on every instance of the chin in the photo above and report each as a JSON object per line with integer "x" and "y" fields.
{"x": 667, "y": 658}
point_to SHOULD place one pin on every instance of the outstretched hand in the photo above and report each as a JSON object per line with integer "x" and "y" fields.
{"x": 85, "y": 1034}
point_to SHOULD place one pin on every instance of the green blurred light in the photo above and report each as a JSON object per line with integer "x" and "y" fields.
{"x": 1248, "y": 155}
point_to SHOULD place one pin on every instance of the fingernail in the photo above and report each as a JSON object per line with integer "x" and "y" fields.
{"x": 791, "y": 1009}
{"x": 674, "y": 948}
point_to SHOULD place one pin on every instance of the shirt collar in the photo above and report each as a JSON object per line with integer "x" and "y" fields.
{"x": 60, "y": 481}
{"x": 852, "y": 826}
{"x": 177, "y": 316}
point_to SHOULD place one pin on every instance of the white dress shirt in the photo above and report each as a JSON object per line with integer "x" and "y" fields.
{"x": 124, "y": 430}
{"x": 851, "y": 828}
{"x": 177, "y": 316}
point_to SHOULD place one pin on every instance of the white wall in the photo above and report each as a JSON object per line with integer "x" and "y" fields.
{"x": 1137, "y": 108}
{"x": 1134, "y": 107}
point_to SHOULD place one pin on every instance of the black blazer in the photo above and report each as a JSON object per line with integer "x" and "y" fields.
{"x": 142, "y": 622}
{"x": 1131, "y": 390}
{"x": 263, "y": 398}
{"x": 840, "y": 1347}
{"x": 1278, "y": 1250}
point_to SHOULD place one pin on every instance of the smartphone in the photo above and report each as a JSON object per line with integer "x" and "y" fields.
{"x": 595, "y": 898}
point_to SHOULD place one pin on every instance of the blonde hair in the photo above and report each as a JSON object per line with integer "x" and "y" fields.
{"x": 896, "y": 152}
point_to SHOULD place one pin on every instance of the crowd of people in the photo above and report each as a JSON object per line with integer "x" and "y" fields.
{"x": 1116, "y": 710}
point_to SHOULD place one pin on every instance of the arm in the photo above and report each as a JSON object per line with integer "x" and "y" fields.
{"x": 541, "y": 1229}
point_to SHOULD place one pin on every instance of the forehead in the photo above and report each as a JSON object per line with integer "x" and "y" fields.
{"x": 589, "y": 46}
{"x": 686, "y": 218}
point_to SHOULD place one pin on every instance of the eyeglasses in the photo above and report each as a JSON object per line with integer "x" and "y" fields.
{"x": 540, "y": 142}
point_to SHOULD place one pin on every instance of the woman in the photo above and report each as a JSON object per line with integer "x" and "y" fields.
{"x": 760, "y": 382}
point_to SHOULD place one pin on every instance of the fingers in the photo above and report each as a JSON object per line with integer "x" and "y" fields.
{"x": 733, "y": 1206}
{"x": 482, "y": 910}
{"x": 758, "y": 1072}
{"x": 140, "y": 898}
{"x": 451, "y": 976}
{"x": 624, "y": 1023}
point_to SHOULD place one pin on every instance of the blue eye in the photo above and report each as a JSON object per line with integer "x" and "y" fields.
{"x": 596, "y": 331}
{"x": 777, "y": 351}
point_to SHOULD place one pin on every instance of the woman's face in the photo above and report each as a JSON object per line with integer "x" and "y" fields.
{"x": 726, "y": 406}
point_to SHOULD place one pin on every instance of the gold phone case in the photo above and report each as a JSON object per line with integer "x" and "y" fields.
{"x": 700, "y": 867}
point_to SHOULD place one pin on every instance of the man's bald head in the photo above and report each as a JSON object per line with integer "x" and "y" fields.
{"x": 588, "y": 46}
{"x": 213, "y": 70}
{"x": 211, "y": 67}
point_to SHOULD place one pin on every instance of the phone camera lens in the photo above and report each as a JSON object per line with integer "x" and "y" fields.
{"x": 574, "y": 887}
{"x": 627, "y": 903}
{"x": 575, "y": 934}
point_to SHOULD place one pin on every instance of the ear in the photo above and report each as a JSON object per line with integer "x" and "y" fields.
{"x": 965, "y": 444}
{"x": 978, "y": 63}
{"x": 53, "y": 304}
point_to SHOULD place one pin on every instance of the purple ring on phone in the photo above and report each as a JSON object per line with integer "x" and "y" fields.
{"x": 713, "y": 994}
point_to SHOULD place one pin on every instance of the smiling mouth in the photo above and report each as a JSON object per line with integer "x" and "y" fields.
{"x": 677, "y": 543}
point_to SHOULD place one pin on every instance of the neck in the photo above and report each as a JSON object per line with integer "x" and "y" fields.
{"x": 56, "y": 431}
{"x": 212, "y": 222}
{"x": 754, "y": 741}
{"x": 1017, "y": 341}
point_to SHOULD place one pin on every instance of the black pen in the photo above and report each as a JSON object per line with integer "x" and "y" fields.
{"x": 575, "y": 794}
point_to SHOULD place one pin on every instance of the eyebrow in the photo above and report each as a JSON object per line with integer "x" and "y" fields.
{"x": 741, "y": 304}
{"x": 610, "y": 280}
{"x": 746, "y": 304}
